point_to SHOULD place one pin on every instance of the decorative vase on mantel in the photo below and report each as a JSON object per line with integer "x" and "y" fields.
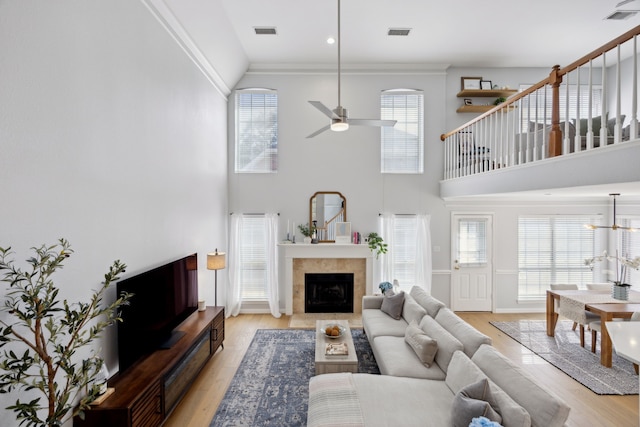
{"x": 620, "y": 291}
{"x": 307, "y": 239}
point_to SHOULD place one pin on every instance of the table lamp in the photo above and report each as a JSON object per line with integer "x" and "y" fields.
{"x": 216, "y": 261}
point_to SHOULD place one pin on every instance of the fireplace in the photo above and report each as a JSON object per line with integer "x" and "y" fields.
{"x": 328, "y": 292}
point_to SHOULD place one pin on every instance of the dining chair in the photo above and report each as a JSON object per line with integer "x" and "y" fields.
{"x": 590, "y": 316}
{"x": 598, "y": 286}
{"x": 597, "y": 327}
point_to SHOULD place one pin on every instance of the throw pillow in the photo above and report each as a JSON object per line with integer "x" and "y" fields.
{"x": 412, "y": 310}
{"x": 392, "y": 304}
{"x": 424, "y": 346}
{"x": 475, "y": 400}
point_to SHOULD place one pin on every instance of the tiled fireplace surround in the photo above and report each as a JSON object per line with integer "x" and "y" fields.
{"x": 325, "y": 258}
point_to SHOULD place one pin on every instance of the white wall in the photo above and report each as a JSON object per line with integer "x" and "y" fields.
{"x": 111, "y": 138}
{"x": 349, "y": 162}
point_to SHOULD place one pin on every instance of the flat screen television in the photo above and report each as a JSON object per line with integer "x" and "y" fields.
{"x": 163, "y": 298}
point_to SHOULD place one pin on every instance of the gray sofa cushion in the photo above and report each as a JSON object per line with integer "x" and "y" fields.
{"x": 475, "y": 400}
{"x": 545, "y": 408}
{"x": 428, "y": 302}
{"x": 406, "y": 402}
{"x": 411, "y": 310}
{"x": 395, "y": 357}
{"x": 462, "y": 372}
{"x": 376, "y": 323}
{"x": 447, "y": 343}
{"x": 423, "y": 345}
{"x": 469, "y": 336}
{"x": 392, "y": 304}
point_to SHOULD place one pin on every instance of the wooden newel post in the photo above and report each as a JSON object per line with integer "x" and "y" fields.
{"x": 555, "y": 136}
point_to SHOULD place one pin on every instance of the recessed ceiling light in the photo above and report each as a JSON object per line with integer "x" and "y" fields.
{"x": 331, "y": 40}
{"x": 399, "y": 31}
{"x": 265, "y": 31}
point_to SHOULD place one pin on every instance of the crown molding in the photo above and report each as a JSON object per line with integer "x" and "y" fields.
{"x": 163, "y": 14}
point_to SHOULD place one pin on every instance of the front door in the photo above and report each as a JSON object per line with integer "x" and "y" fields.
{"x": 471, "y": 272}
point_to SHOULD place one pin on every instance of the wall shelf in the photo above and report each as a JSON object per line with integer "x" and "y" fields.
{"x": 479, "y": 93}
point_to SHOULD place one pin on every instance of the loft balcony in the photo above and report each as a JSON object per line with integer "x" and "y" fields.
{"x": 576, "y": 128}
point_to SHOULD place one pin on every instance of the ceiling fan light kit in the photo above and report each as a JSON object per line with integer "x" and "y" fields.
{"x": 339, "y": 117}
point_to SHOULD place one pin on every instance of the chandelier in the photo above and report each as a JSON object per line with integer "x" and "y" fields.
{"x": 615, "y": 225}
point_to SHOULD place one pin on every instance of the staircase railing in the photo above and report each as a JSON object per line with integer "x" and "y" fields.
{"x": 580, "y": 107}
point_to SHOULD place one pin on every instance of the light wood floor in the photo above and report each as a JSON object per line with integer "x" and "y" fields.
{"x": 587, "y": 409}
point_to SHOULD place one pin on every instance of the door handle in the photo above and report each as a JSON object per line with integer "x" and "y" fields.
{"x": 456, "y": 266}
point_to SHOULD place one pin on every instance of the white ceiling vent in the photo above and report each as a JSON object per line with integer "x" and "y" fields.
{"x": 399, "y": 31}
{"x": 265, "y": 31}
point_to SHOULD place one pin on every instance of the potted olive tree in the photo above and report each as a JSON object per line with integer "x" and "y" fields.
{"x": 41, "y": 337}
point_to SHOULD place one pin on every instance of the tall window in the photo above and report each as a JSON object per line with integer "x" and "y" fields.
{"x": 256, "y": 131}
{"x": 253, "y": 258}
{"x": 553, "y": 249}
{"x": 408, "y": 259}
{"x": 403, "y": 144}
{"x": 629, "y": 247}
{"x": 472, "y": 242}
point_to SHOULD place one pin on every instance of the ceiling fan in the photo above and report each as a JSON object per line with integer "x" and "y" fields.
{"x": 339, "y": 116}
{"x": 615, "y": 225}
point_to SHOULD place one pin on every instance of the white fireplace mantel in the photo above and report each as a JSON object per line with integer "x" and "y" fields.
{"x": 322, "y": 250}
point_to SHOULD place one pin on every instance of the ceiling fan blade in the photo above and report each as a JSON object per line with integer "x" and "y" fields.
{"x": 324, "y": 109}
{"x": 319, "y": 131}
{"x": 371, "y": 122}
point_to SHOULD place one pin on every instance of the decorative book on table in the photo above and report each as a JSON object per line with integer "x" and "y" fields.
{"x": 337, "y": 349}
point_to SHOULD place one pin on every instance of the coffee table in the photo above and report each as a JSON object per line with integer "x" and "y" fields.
{"x": 333, "y": 363}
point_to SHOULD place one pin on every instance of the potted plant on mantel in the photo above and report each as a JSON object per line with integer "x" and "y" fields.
{"x": 307, "y": 231}
{"x": 43, "y": 338}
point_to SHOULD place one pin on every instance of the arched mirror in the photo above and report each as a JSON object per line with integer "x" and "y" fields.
{"x": 326, "y": 208}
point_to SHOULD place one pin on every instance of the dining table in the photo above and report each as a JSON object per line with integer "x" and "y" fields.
{"x": 597, "y": 302}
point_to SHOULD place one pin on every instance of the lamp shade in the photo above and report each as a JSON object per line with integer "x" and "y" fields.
{"x": 216, "y": 260}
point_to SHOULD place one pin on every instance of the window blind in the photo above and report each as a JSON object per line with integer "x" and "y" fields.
{"x": 252, "y": 258}
{"x": 256, "y": 131}
{"x": 402, "y": 146}
{"x": 553, "y": 249}
{"x": 629, "y": 247}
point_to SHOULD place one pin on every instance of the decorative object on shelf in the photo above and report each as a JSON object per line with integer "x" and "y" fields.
{"x": 307, "y": 231}
{"x": 499, "y": 101}
{"x": 376, "y": 243}
{"x": 216, "y": 261}
{"x": 385, "y": 286}
{"x": 485, "y": 84}
{"x": 615, "y": 225}
{"x": 468, "y": 101}
{"x": 343, "y": 232}
{"x": 619, "y": 290}
{"x": 471, "y": 82}
{"x": 49, "y": 363}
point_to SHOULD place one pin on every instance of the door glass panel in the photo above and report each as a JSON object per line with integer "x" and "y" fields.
{"x": 472, "y": 242}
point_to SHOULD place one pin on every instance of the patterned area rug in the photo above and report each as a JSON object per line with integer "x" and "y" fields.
{"x": 271, "y": 386}
{"x": 564, "y": 352}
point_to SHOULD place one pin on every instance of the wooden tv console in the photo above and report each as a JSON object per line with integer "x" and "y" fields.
{"x": 147, "y": 392}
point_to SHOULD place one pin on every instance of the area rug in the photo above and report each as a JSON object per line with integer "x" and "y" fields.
{"x": 271, "y": 386}
{"x": 564, "y": 352}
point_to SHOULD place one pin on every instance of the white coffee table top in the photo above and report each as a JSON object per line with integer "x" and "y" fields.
{"x": 322, "y": 340}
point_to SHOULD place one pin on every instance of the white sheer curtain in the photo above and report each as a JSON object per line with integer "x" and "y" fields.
{"x": 409, "y": 242}
{"x": 234, "y": 293}
{"x": 268, "y": 280}
{"x": 271, "y": 251}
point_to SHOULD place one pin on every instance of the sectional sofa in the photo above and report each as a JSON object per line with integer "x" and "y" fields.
{"x": 437, "y": 370}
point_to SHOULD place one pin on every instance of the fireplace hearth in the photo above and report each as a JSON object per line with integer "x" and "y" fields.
{"x": 328, "y": 292}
